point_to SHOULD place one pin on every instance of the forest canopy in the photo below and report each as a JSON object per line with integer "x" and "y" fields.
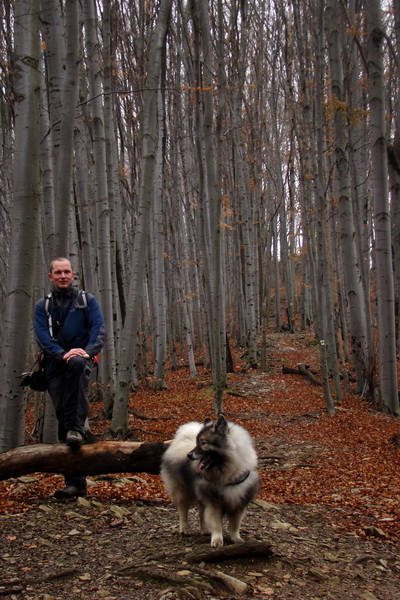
{"x": 213, "y": 169}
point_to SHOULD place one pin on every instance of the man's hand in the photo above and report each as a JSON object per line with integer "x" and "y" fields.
{"x": 75, "y": 352}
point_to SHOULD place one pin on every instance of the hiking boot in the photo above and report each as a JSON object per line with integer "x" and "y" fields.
{"x": 74, "y": 439}
{"x": 70, "y": 491}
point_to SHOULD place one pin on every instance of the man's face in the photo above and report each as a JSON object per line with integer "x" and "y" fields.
{"x": 61, "y": 274}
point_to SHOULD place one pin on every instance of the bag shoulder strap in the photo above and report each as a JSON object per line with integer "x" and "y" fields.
{"x": 48, "y": 306}
{"x": 82, "y": 299}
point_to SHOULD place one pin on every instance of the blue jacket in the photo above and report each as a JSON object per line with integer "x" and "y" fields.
{"x": 80, "y": 327}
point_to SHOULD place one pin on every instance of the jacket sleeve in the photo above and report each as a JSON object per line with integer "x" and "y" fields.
{"x": 97, "y": 328}
{"x": 43, "y": 337}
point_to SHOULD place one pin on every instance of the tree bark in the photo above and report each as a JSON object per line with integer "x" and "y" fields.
{"x": 158, "y": 247}
{"x": 24, "y": 217}
{"x": 127, "y": 343}
{"x": 382, "y": 224}
{"x": 53, "y": 32}
{"x": 93, "y": 459}
{"x": 102, "y": 202}
{"x": 325, "y": 310}
{"x": 349, "y": 256}
{"x": 69, "y": 68}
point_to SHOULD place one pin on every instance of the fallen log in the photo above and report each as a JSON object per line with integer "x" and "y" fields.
{"x": 233, "y": 551}
{"x": 302, "y": 370}
{"x": 292, "y": 371}
{"x": 91, "y": 459}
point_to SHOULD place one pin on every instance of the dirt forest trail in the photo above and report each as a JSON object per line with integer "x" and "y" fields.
{"x": 328, "y": 504}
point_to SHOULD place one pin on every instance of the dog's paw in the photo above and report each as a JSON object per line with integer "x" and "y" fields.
{"x": 184, "y": 528}
{"x": 236, "y": 538}
{"x": 217, "y": 541}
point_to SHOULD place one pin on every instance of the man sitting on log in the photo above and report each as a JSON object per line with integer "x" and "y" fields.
{"x": 71, "y": 332}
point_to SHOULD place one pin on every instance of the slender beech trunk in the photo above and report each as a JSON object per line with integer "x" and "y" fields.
{"x": 395, "y": 180}
{"x": 325, "y": 303}
{"x": 213, "y": 191}
{"x": 349, "y": 256}
{"x": 63, "y": 178}
{"x": 382, "y": 225}
{"x": 103, "y": 242}
{"x": 211, "y": 209}
{"x": 25, "y": 217}
{"x": 249, "y": 255}
{"x": 47, "y": 184}
{"x": 158, "y": 278}
{"x": 359, "y": 157}
{"x": 128, "y": 339}
{"x": 118, "y": 267}
{"x": 53, "y": 27}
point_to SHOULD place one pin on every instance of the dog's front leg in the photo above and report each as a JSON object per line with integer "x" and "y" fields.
{"x": 203, "y": 527}
{"x": 213, "y": 520}
{"x": 235, "y": 520}
{"x": 183, "y": 511}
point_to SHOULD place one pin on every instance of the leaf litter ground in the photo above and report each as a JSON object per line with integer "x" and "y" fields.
{"x": 328, "y": 504}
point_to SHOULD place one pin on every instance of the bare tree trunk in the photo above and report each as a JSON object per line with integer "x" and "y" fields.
{"x": 118, "y": 265}
{"x": 103, "y": 229}
{"x": 394, "y": 164}
{"x": 284, "y": 254}
{"x": 53, "y": 27}
{"x": 211, "y": 232}
{"x": 188, "y": 297}
{"x": 47, "y": 237}
{"x": 6, "y": 153}
{"x": 325, "y": 303}
{"x": 119, "y": 423}
{"x": 70, "y": 67}
{"x": 382, "y": 226}
{"x": 250, "y": 255}
{"x": 159, "y": 284}
{"x": 24, "y": 224}
{"x": 359, "y": 156}
{"x": 349, "y": 256}
{"x": 211, "y": 149}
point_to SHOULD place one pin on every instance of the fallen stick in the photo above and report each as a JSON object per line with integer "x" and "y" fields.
{"x": 15, "y": 586}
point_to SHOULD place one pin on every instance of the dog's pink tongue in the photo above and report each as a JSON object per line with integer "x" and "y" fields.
{"x": 199, "y": 466}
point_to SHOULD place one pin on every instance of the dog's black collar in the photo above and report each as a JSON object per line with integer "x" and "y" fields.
{"x": 240, "y": 479}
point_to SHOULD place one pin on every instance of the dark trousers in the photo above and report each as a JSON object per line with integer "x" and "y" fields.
{"x": 67, "y": 387}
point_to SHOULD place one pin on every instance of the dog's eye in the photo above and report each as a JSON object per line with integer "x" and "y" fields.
{"x": 203, "y": 443}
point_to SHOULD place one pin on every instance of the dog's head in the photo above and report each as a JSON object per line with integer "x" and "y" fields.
{"x": 210, "y": 444}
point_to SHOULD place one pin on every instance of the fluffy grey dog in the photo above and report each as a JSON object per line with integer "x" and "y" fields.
{"x": 214, "y": 465}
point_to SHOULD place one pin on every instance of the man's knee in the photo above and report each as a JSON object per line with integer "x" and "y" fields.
{"x": 79, "y": 369}
{"x": 77, "y": 364}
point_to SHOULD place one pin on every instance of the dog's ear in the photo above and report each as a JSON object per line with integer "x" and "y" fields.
{"x": 221, "y": 425}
